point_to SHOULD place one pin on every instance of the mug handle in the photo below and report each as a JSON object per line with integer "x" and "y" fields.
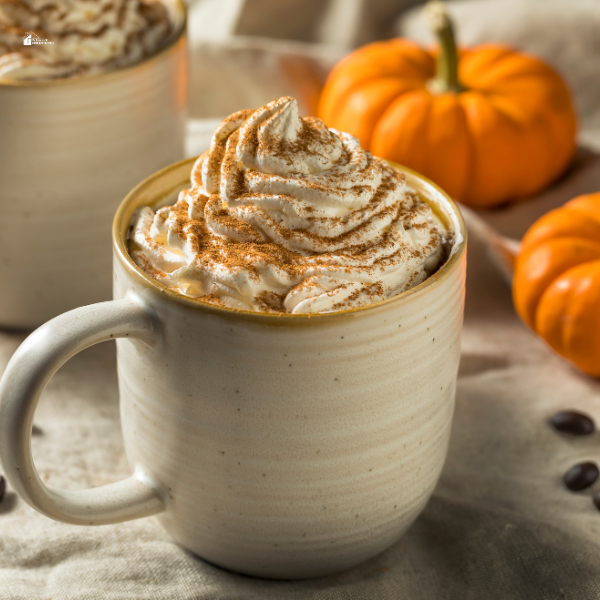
{"x": 26, "y": 376}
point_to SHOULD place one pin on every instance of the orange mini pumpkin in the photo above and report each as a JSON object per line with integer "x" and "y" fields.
{"x": 556, "y": 287}
{"x": 495, "y": 125}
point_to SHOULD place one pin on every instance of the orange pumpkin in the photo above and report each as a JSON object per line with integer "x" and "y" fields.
{"x": 494, "y": 126}
{"x": 556, "y": 287}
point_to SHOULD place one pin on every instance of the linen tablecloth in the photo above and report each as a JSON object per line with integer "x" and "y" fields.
{"x": 500, "y": 524}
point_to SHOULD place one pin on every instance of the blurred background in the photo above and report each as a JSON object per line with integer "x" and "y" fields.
{"x": 245, "y": 53}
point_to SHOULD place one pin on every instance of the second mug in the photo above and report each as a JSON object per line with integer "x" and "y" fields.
{"x": 71, "y": 149}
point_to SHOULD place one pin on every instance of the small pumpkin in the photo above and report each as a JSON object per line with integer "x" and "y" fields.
{"x": 488, "y": 126}
{"x": 556, "y": 287}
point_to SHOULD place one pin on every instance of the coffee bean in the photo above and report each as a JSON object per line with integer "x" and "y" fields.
{"x": 2, "y": 487}
{"x": 573, "y": 422}
{"x": 581, "y": 476}
{"x": 597, "y": 500}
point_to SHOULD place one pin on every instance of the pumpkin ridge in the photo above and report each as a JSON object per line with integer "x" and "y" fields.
{"x": 495, "y": 137}
{"x": 541, "y": 264}
{"x": 446, "y": 130}
{"x": 468, "y": 194}
{"x": 535, "y": 149}
{"x": 386, "y": 140}
{"x": 560, "y": 223}
{"x": 485, "y": 74}
{"x": 426, "y": 67}
{"x": 588, "y": 204}
{"x": 567, "y": 317}
{"x": 583, "y": 322}
{"x": 478, "y": 59}
{"x": 469, "y": 165}
{"x": 361, "y": 111}
{"x": 523, "y": 160}
{"x": 511, "y": 72}
{"x": 419, "y": 59}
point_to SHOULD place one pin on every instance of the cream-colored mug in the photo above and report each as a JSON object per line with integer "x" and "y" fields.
{"x": 287, "y": 446}
{"x": 70, "y": 150}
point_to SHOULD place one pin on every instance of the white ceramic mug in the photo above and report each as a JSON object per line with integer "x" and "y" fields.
{"x": 70, "y": 150}
{"x": 285, "y": 446}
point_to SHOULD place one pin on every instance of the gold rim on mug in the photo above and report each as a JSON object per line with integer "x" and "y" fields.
{"x": 179, "y": 7}
{"x": 144, "y": 195}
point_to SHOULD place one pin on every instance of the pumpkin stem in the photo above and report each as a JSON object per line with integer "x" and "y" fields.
{"x": 446, "y": 72}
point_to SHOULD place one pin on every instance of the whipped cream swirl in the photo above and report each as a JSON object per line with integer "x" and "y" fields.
{"x": 286, "y": 215}
{"x": 88, "y": 36}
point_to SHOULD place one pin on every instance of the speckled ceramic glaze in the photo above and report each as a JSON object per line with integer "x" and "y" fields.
{"x": 279, "y": 446}
{"x": 70, "y": 150}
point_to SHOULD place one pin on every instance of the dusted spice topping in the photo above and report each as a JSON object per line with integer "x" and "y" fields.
{"x": 284, "y": 215}
{"x": 49, "y": 39}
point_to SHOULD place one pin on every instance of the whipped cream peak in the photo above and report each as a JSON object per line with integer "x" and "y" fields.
{"x": 286, "y": 215}
{"x": 276, "y": 140}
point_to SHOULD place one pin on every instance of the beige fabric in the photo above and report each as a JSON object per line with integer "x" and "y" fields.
{"x": 500, "y": 525}
{"x": 332, "y": 22}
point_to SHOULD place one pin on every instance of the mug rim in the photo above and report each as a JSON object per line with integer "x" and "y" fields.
{"x": 120, "y": 234}
{"x": 113, "y": 73}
